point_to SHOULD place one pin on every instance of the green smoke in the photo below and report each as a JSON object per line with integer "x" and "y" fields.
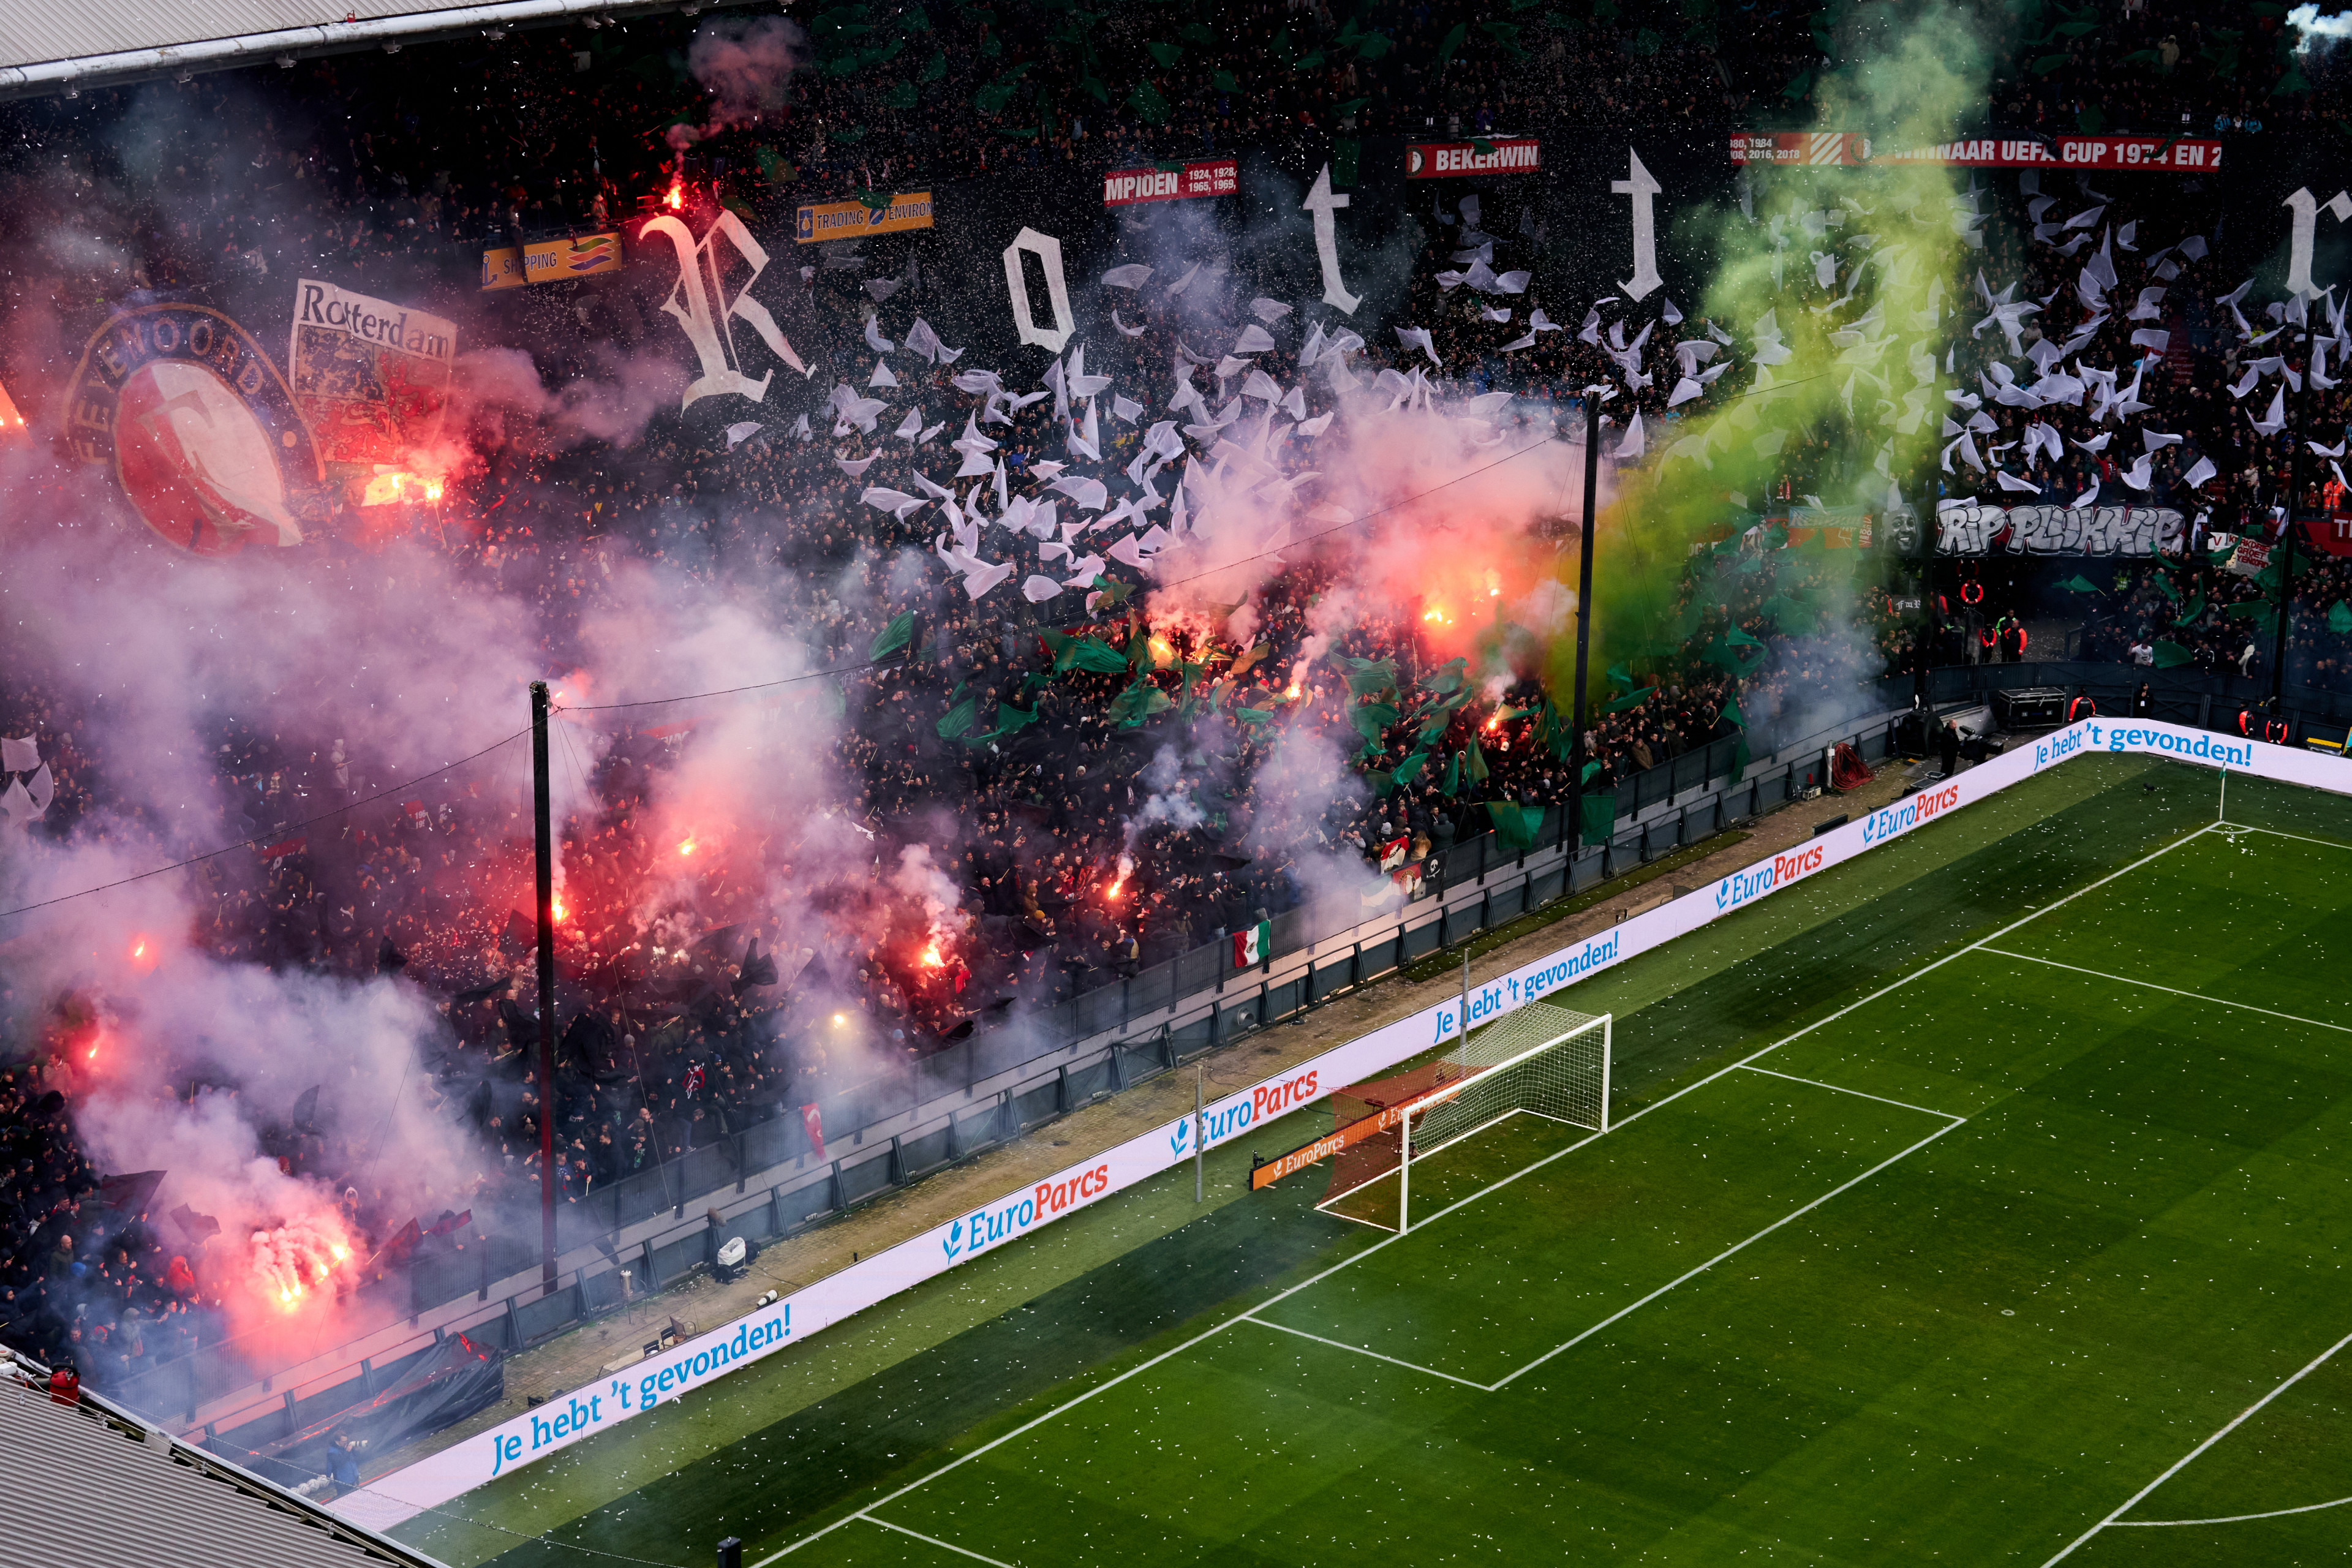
{"x": 1859, "y": 396}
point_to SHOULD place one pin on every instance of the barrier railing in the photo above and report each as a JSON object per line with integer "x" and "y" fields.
{"x": 763, "y": 1182}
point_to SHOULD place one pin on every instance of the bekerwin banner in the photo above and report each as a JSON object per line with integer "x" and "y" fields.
{"x": 1501, "y": 155}
{"x": 598, "y": 1406}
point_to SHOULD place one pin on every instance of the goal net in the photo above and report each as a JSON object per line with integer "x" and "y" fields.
{"x": 1539, "y": 1060}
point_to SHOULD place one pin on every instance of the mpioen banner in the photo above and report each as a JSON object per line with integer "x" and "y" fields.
{"x": 1498, "y": 156}
{"x": 1133, "y": 188}
{"x": 550, "y": 261}
{"x": 601, "y": 1405}
{"x": 847, "y": 220}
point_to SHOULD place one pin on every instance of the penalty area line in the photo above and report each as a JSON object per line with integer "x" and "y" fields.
{"x": 1735, "y": 1247}
{"x": 2170, "y": 990}
{"x": 1359, "y": 1350}
{"x": 933, "y": 1540}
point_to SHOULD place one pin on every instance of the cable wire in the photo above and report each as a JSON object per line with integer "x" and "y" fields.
{"x": 387, "y": 792}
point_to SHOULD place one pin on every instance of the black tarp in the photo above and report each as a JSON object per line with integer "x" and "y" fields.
{"x": 458, "y": 1378}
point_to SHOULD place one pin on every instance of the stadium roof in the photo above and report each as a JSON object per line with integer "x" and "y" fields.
{"x": 64, "y": 45}
{"x": 92, "y": 1484}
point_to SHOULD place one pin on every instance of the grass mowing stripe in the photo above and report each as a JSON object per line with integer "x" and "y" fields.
{"x": 2182, "y": 1463}
{"x": 2170, "y": 989}
{"x": 1858, "y": 1094}
{"x": 1039, "y": 1420}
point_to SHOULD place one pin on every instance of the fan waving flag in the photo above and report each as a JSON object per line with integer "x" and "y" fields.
{"x": 1253, "y": 945}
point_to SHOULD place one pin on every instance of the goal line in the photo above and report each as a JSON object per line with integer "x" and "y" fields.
{"x": 1541, "y": 1061}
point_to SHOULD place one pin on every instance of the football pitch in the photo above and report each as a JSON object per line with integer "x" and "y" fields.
{"x": 1986, "y": 1199}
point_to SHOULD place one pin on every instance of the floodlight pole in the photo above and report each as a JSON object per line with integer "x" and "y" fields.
{"x": 1574, "y": 836}
{"x": 2286, "y": 533}
{"x": 544, "y": 846}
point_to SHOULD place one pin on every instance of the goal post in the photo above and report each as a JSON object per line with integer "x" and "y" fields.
{"x": 1538, "y": 1060}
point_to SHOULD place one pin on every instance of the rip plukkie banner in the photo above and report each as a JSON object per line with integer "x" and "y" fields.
{"x": 372, "y": 377}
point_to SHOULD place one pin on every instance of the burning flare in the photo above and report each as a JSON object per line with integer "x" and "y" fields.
{"x": 388, "y": 488}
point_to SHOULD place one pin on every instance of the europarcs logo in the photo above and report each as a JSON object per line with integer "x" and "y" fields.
{"x": 1741, "y": 887}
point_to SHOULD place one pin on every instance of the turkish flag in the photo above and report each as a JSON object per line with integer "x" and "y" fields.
{"x": 814, "y": 1123}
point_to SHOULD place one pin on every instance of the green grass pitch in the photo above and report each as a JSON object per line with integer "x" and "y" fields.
{"x": 1986, "y": 1199}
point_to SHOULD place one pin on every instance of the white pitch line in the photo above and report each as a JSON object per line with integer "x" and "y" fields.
{"x": 1898, "y": 984}
{"x": 935, "y": 1541}
{"x": 2228, "y": 1517}
{"x": 1026, "y": 1426}
{"x": 2298, "y": 837}
{"x": 1343, "y": 1345}
{"x": 1726, "y": 1252}
{"x": 2182, "y": 1463}
{"x": 1858, "y": 1094}
{"x": 2172, "y": 991}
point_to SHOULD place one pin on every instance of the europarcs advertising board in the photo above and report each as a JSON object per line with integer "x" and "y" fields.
{"x": 671, "y": 1375}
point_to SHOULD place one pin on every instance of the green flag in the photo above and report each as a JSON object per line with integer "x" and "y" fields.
{"x": 1451, "y": 783}
{"x": 1516, "y": 825}
{"x": 1599, "y": 815}
{"x": 1093, "y": 654}
{"x": 1632, "y": 698}
{"x": 1474, "y": 763}
{"x": 2339, "y": 619}
{"x": 2171, "y": 655}
{"x": 895, "y": 635}
{"x": 958, "y": 719}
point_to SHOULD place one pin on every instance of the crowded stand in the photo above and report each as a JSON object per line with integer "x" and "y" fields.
{"x": 1029, "y": 794}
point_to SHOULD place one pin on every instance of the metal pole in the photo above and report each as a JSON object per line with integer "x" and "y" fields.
{"x": 1404, "y": 1171}
{"x": 1930, "y": 622}
{"x": 545, "y": 847}
{"x": 1575, "y": 825}
{"x": 2286, "y": 534}
{"x": 1463, "y": 1033}
{"x": 1200, "y": 1124}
